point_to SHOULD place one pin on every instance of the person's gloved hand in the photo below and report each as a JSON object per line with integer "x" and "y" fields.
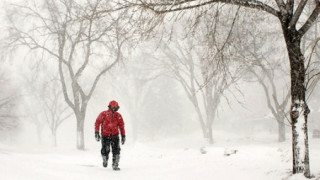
{"x": 123, "y": 139}
{"x": 97, "y": 136}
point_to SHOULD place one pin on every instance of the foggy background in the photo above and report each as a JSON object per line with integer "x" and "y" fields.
{"x": 153, "y": 103}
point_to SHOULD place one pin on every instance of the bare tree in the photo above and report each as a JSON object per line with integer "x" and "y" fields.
{"x": 85, "y": 44}
{"x": 265, "y": 64}
{"x": 311, "y": 46}
{"x": 277, "y": 105}
{"x": 33, "y": 109}
{"x": 294, "y": 27}
{"x": 55, "y": 109}
{"x": 44, "y": 102}
{"x": 201, "y": 63}
{"x": 9, "y": 119}
{"x": 134, "y": 87}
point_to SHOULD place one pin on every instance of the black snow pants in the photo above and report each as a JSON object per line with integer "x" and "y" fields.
{"x": 110, "y": 141}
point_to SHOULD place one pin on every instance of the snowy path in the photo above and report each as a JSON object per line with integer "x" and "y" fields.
{"x": 140, "y": 161}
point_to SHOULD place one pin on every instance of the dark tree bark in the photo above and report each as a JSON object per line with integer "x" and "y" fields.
{"x": 299, "y": 108}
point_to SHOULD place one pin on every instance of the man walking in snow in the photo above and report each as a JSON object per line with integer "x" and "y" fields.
{"x": 110, "y": 121}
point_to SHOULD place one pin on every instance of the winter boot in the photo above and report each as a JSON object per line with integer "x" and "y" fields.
{"x": 105, "y": 161}
{"x": 115, "y": 162}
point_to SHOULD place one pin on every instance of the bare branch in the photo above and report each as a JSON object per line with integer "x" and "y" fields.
{"x": 297, "y": 13}
{"x": 118, "y": 57}
{"x": 281, "y": 5}
{"x": 64, "y": 86}
{"x": 310, "y": 21}
{"x": 255, "y": 4}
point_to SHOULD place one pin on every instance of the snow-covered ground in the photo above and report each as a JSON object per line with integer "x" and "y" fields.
{"x": 256, "y": 159}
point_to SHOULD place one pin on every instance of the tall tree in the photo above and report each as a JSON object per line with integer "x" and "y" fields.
{"x": 135, "y": 84}
{"x": 202, "y": 63}
{"x": 265, "y": 65}
{"x": 33, "y": 75}
{"x": 85, "y": 44}
{"x": 56, "y": 111}
{"x": 43, "y": 99}
{"x": 295, "y": 24}
{"x": 9, "y": 98}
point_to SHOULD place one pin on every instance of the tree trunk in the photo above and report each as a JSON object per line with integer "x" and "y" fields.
{"x": 203, "y": 127}
{"x": 80, "y": 133}
{"x": 211, "y": 111}
{"x": 299, "y": 108}
{"x": 300, "y": 147}
{"x": 54, "y": 134}
{"x": 209, "y": 133}
{"x": 211, "y": 107}
{"x": 281, "y": 127}
{"x": 39, "y": 132}
{"x": 281, "y": 130}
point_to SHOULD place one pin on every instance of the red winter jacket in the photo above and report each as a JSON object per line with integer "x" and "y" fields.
{"x": 110, "y": 123}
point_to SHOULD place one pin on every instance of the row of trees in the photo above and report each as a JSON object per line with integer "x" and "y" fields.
{"x": 296, "y": 18}
{"x": 86, "y": 39}
{"x": 42, "y": 98}
{"x": 204, "y": 65}
{"x": 74, "y": 35}
{"x": 9, "y": 102}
